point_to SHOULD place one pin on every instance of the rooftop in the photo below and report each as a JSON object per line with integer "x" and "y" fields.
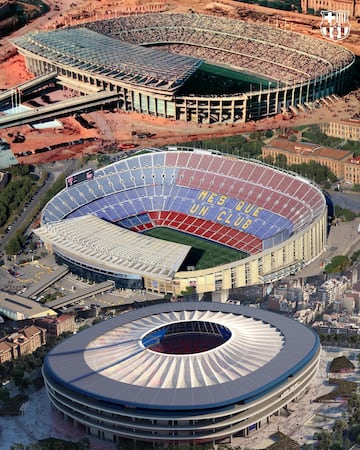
{"x": 306, "y": 149}
{"x": 354, "y": 160}
{"x": 11, "y": 304}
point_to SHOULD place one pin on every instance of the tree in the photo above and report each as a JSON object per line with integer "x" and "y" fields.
{"x": 355, "y": 256}
{"x": 338, "y": 264}
{"x": 13, "y": 247}
{"x": 337, "y": 446}
{"x": 103, "y": 160}
{"x": 21, "y": 383}
{"x": 34, "y": 446}
{"x": 344, "y": 213}
{"x": 126, "y": 444}
{"x": 97, "y": 320}
{"x": 324, "y": 440}
{"x": 84, "y": 444}
{"x": 338, "y": 432}
{"x": 281, "y": 161}
{"x": 32, "y": 246}
{"x": 341, "y": 261}
{"x": 3, "y": 214}
{"x": 353, "y": 409}
{"x": 268, "y": 159}
{"x": 19, "y": 170}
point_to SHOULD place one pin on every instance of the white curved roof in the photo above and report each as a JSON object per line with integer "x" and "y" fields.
{"x": 115, "y": 249}
{"x": 251, "y": 346}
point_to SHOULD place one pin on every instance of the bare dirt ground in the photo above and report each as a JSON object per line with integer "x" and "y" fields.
{"x": 116, "y": 127}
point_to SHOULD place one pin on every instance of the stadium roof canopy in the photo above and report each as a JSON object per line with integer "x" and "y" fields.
{"x": 110, "y": 247}
{"x": 111, "y": 362}
{"x": 87, "y": 50}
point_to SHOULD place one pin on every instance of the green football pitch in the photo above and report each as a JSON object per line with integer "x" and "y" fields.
{"x": 203, "y": 253}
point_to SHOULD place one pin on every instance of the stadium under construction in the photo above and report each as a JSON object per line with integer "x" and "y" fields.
{"x": 154, "y": 64}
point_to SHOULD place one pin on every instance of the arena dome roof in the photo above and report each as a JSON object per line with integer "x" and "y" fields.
{"x": 110, "y": 362}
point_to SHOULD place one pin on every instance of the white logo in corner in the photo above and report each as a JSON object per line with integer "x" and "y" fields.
{"x": 335, "y": 25}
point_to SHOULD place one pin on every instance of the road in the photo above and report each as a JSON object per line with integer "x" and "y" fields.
{"x": 60, "y": 109}
{"x": 348, "y": 200}
{"x": 343, "y": 239}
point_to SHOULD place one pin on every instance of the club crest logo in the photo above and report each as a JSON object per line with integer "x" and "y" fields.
{"x": 335, "y": 25}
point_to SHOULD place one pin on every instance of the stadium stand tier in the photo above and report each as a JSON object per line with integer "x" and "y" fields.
{"x": 241, "y": 204}
{"x": 278, "y": 54}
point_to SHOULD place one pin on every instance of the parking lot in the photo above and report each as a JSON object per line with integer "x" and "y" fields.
{"x": 22, "y": 272}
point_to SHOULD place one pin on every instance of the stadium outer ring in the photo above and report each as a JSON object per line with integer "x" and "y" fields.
{"x": 236, "y": 108}
{"x": 112, "y": 409}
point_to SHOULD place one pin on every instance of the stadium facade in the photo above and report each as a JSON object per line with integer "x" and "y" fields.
{"x": 147, "y": 59}
{"x": 182, "y": 373}
{"x": 278, "y": 219}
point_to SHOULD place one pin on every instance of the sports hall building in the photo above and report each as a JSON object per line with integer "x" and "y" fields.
{"x": 277, "y": 219}
{"x": 150, "y": 60}
{"x": 181, "y": 373}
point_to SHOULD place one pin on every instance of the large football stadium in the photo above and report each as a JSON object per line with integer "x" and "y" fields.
{"x": 182, "y": 373}
{"x": 233, "y": 222}
{"x": 191, "y": 67}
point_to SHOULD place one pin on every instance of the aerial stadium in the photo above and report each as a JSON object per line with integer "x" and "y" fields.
{"x": 191, "y": 67}
{"x": 182, "y": 372}
{"x": 273, "y": 221}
